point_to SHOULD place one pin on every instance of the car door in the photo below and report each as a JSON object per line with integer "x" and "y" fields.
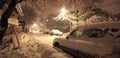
{"x": 115, "y": 32}
{"x": 69, "y": 41}
{"x": 93, "y": 41}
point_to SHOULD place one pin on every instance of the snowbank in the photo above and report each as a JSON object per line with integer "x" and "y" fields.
{"x": 52, "y": 53}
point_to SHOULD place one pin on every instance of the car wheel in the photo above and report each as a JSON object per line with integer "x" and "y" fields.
{"x": 56, "y": 44}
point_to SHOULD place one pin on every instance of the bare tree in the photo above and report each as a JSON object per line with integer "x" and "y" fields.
{"x": 82, "y": 8}
{"x": 34, "y": 9}
{"x": 6, "y": 15}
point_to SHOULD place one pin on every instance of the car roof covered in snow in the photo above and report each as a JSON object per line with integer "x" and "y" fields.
{"x": 99, "y": 25}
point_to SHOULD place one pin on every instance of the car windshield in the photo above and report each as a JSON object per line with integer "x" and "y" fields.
{"x": 76, "y": 33}
{"x": 114, "y": 30}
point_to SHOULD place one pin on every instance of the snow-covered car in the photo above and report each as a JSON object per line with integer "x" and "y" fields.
{"x": 56, "y": 32}
{"x": 88, "y": 41}
{"x": 115, "y": 32}
{"x": 46, "y": 31}
{"x": 113, "y": 28}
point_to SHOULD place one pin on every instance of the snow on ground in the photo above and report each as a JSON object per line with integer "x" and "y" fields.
{"x": 44, "y": 38}
{"x": 32, "y": 47}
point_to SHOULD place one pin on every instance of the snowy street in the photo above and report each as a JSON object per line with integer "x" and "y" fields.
{"x": 34, "y": 46}
{"x": 44, "y": 38}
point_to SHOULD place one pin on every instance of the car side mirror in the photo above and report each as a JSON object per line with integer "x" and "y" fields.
{"x": 67, "y": 37}
{"x": 106, "y": 30}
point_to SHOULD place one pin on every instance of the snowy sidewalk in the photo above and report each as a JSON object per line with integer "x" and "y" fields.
{"x": 33, "y": 48}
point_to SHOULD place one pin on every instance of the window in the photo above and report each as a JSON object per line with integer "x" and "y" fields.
{"x": 118, "y": 36}
{"x": 76, "y": 33}
{"x": 95, "y": 33}
{"x": 114, "y": 30}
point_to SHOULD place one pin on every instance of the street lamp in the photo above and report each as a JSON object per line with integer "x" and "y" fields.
{"x": 63, "y": 14}
{"x": 35, "y": 25}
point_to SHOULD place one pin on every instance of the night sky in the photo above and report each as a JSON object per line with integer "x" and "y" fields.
{"x": 53, "y": 7}
{"x": 112, "y": 6}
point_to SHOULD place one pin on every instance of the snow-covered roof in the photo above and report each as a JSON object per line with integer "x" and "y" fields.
{"x": 13, "y": 21}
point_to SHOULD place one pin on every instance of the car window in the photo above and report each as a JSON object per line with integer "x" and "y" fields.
{"x": 118, "y": 36}
{"x": 95, "y": 33}
{"x": 114, "y": 30}
{"x": 76, "y": 33}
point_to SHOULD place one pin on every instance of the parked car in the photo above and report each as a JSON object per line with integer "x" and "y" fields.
{"x": 56, "y": 32}
{"x": 46, "y": 31}
{"x": 89, "y": 40}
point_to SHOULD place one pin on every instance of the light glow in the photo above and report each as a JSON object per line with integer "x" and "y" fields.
{"x": 35, "y": 25}
{"x": 34, "y": 28}
{"x": 63, "y": 14}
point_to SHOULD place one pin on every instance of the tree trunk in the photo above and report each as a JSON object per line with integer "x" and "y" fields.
{"x": 5, "y": 16}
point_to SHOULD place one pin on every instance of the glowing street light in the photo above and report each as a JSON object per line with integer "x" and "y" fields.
{"x": 34, "y": 28}
{"x": 34, "y": 24}
{"x": 63, "y": 14}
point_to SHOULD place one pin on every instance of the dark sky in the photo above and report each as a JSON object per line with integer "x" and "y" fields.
{"x": 41, "y": 9}
{"x": 54, "y": 6}
{"x": 112, "y": 6}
